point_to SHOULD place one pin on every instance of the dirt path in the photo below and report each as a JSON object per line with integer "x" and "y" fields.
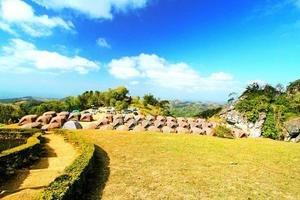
{"x": 29, "y": 182}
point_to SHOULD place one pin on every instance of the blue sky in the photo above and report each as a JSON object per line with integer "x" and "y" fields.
{"x": 175, "y": 49}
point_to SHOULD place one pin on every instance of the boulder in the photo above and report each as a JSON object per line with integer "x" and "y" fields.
{"x": 293, "y": 127}
{"x": 236, "y": 119}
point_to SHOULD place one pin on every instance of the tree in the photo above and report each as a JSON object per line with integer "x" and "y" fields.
{"x": 150, "y": 99}
{"x": 231, "y": 97}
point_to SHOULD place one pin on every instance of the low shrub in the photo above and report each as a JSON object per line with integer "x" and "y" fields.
{"x": 72, "y": 183}
{"x": 269, "y": 129}
{"x": 222, "y": 131}
{"x": 22, "y": 155}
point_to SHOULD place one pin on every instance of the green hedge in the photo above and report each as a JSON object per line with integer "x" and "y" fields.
{"x": 72, "y": 183}
{"x": 9, "y": 133}
{"x": 20, "y": 156}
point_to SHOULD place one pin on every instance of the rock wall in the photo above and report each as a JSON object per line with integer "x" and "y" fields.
{"x": 235, "y": 119}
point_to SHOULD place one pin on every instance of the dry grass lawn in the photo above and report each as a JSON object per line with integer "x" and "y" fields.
{"x": 167, "y": 166}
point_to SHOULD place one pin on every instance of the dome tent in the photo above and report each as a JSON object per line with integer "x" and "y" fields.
{"x": 72, "y": 125}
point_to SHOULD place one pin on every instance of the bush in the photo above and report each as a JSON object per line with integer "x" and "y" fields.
{"x": 72, "y": 183}
{"x": 269, "y": 129}
{"x": 209, "y": 113}
{"x": 20, "y": 156}
{"x": 222, "y": 131}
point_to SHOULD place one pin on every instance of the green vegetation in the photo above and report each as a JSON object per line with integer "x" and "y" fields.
{"x": 72, "y": 183}
{"x": 22, "y": 155}
{"x": 117, "y": 98}
{"x": 209, "y": 113}
{"x": 10, "y": 143}
{"x": 168, "y": 166}
{"x": 151, "y": 105}
{"x": 276, "y": 103}
{"x": 191, "y": 109}
{"x": 222, "y": 131}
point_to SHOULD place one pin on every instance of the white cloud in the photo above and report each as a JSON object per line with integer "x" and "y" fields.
{"x": 159, "y": 72}
{"x": 101, "y": 42}
{"x": 22, "y": 56}
{"x": 134, "y": 82}
{"x": 93, "y": 8}
{"x": 18, "y": 14}
{"x": 259, "y": 82}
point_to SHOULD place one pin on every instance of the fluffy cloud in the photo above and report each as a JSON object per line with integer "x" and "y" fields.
{"x": 159, "y": 72}
{"x": 93, "y": 8}
{"x": 101, "y": 42}
{"x": 18, "y": 14}
{"x": 21, "y": 56}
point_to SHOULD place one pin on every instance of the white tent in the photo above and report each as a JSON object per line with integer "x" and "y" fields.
{"x": 72, "y": 125}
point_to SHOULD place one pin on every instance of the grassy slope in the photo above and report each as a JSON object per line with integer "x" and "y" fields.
{"x": 160, "y": 166}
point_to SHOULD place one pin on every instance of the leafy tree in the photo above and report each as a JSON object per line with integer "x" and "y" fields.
{"x": 269, "y": 129}
{"x": 150, "y": 99}
{"x": 9, "y": 114}
{"x": 209, "y": 113}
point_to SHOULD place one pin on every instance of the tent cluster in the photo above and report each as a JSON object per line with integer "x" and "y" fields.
{"x": 128, "y": 122}
{"x": 52, "y": 120}
{"x": 154, "y": 124}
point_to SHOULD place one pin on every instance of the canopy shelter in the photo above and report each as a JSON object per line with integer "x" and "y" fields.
{"x": 27, "y": 119}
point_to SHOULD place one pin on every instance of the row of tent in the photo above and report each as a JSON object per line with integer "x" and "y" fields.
{"x": 52, "y": 120}
{"x": 128, "y": 122}
{"x": 163, "y": 124}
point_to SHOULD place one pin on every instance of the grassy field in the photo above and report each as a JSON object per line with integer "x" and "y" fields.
{"x": 165, "y": 166}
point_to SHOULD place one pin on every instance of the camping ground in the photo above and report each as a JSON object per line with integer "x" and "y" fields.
{"x": 168, "y": 166}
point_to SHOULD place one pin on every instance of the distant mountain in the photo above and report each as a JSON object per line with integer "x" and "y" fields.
{"x": 190, "y": 109}
{"x": 27, "y": 98}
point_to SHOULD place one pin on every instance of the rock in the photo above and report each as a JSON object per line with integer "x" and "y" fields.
{"x": 293, "y": 127}
{"x": 297, "y": 139}
{"x": 236, "y": 120}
